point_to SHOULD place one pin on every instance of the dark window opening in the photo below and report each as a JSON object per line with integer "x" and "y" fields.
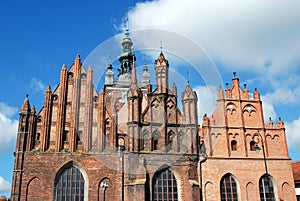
{"x": 164, "y": 186}
{"x": 228, "y": 188}
{"x": 252, "y": 145}
{"x": 266, "y": 190}
{"x": 233, "y": 145}
{"x": 69, "y": 185}
{"x": 155, "y": 144}
{"x": 65, "y": 136}
{"x": 38, "y": 136}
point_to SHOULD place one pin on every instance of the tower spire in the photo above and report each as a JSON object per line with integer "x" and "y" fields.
{"x": 127, "y": 56}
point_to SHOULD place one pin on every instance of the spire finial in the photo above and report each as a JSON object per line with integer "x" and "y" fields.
{"x": 188, "y": 76}
{"x": 27, "y": 95}
{"x": 160, "y": 46}
{"x": 145, "y": 59}
{"x": 127, "y": 23}
{"x": 234, "y": 74}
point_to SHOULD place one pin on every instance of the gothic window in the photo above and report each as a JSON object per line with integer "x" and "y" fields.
{"x": 170, "y": 140}
{"x": 155, "y": 144}
{"x": 164, "y": 186}
{"x": 145, "y": 140}
{"x": 69, "y": 184}
{"x": 233, "y": 145}
{"x": 65, "y": 136}
{"x": 252, "y": 145}
{"x": 38, "y": 136}
{"x": 228, "y": 188}
{"x": 180, "y": 142}
{"x": 155, "y": 140}
{"x": 266, "y": 189}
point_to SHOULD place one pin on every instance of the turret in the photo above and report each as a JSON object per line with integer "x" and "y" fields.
{"x": 190, "y": 114}
{"x": 47, "y": 119}
{"x": 189, "y": 105}
{"x": 109, "y": 75}
{"x": 20, "y": 149}
{"x": 126, "y": 57}
{"x": 145, "y": 76}
{"x": 162, "y": 74}
{"x": 134, "y": 111}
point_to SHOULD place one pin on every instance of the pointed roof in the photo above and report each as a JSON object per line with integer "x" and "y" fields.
{"x": 134, "y": 89}
{"x": 126, "y": 57}
{"x": 161, "y": 60}
{"x": 189, "y": 93}
{"x": 25, "y": 106}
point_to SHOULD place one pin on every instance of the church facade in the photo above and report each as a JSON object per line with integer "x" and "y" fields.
{"x": 132, "y": 142}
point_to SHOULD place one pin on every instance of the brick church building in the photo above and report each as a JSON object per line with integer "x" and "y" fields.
{"x": 130, "y": 141}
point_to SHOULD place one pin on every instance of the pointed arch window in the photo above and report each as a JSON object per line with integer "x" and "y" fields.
{"x": 145, "y": 141}
{"x": 233, "y": 145}
{"x": 69, "y": 184}
{"x": 252, "y": 145}
{"x": 180, "y": 142}
{"x": 228, "y": 188}
{"x": 155, "y": 140}
{"x": 266, "y": 188}
{"x": 164, "y": 186}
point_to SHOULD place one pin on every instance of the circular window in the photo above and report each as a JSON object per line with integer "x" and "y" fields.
{"x": 55, "y": 97}
{"x": 83, "y": 75}
{"x": 70, "y": 75}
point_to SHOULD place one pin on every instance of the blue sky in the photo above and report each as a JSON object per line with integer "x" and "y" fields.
{"x": 259, "y": 40}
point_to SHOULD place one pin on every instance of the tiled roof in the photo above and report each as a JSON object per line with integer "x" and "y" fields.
{"x": 296, "y": 170}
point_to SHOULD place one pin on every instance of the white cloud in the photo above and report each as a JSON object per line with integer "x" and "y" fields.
{"x": 268, "y": 109}
{"x": 37, "y": 85}
{"x": 293, "y": 133}
{"x": 249, "y": 35}
{"x": 8, "y": 127}
{"x": 7, "y": 110}
{"x": 4, "y": 185}
{"x": 207, "y": 96}
{"x": 284, "y": 96}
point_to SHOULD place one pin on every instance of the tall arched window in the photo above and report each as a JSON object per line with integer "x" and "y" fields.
{"x": 69, "y": 184}
{"x": 228, "y": 188}
{"x": 164, "y": 186}
{"x": 266, "y": 189}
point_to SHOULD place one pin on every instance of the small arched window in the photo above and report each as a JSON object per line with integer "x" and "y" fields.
{"x": 252, "y": 145}
{"x": 228, "y": 188}
{"x": 233, "y": 145}
{"x": 69, "y": 184}
{"x": 164, "y": 186}
{"x": 266, "y": 188}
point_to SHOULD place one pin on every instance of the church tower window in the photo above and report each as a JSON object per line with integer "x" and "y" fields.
{"x": 164, "y": 186}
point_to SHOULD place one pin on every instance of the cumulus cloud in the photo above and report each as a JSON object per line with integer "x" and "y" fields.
{"x": 4, "y": 185}
{"x": 37, "y": 85}
{"x": 253, "y": 35}
{"x": 268, "y": 109}
{"x": 8, "y": 127}
{"x": 283, "y": 96}
{"x": 207, "y": 96}
{"x": 292, "y": 130}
